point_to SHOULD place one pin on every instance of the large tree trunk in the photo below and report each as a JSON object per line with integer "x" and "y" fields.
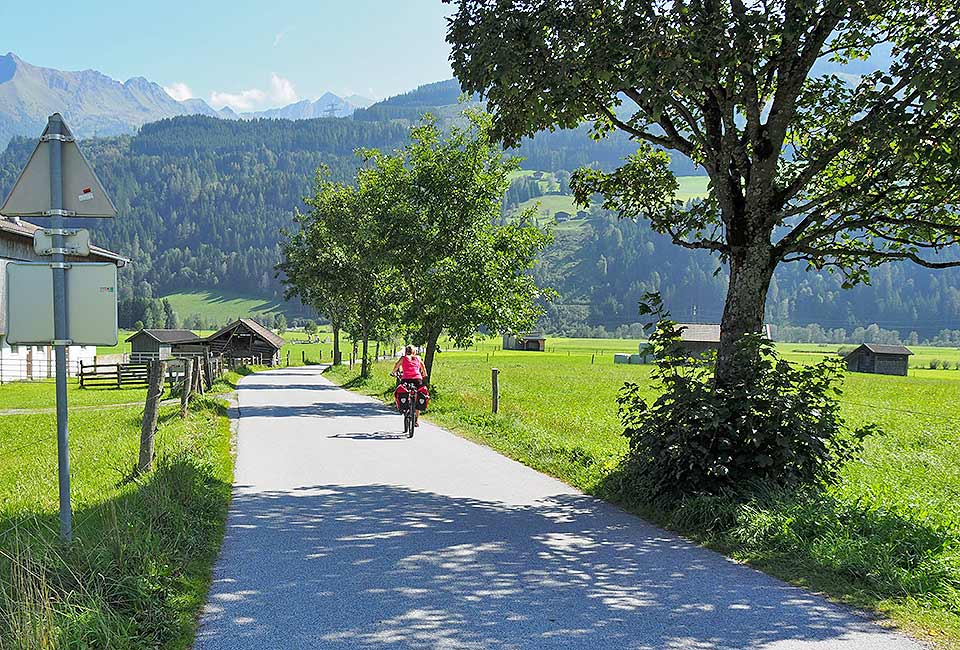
{"x": 751, "y": 269}
{"x": 336, "y": 344}
{"x": 432, "y": 338}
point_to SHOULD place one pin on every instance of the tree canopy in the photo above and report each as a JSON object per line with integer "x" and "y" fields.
{"x": 413, "y": 247}
{"x": 442, "y": 197}
{"x": 829, "y": 128}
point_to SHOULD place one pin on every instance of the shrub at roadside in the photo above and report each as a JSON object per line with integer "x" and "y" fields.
{"x": 776, "y": 423}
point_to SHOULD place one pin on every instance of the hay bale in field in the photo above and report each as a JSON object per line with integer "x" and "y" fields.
{"x": 621, "y": 358}
{"x": 636, "y": 359}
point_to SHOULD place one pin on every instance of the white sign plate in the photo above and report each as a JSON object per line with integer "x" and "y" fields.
{"x": 83, "y": 194}
{"x": 29, "y": 303}
{"x": 91, "y": 303}
{"x": 77, "y": 242}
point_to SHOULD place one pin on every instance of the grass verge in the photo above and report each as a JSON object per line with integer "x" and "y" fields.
{"x": 887, "y": 538}
{"x": 138, "y": 570}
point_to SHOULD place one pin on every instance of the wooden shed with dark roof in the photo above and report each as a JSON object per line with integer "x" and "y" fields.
{"x": 879, "y": 359}
{"x": 246, "y": 338}
{"x": 698, "y": 338}
{"x": 149, "y": 344}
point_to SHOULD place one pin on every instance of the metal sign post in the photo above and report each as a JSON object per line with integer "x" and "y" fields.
{"x": 59, "y": 266}
{"x": 40, "y": 191}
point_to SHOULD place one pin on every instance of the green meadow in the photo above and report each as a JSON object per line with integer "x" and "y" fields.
{"x": 140, "y": 565}
{"x": 886, "y": 538}
{"x": 222, "y": 307}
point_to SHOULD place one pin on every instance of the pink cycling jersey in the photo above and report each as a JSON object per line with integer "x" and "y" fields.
{"x": 410, "y": 367}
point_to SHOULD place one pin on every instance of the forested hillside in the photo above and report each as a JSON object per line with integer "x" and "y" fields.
{"x": 203, "y": 203}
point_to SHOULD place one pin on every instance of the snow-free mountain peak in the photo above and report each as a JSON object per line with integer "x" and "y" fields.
{"x": 95, "y": 104}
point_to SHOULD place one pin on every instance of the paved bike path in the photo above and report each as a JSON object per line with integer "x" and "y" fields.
{"x": 343, "y": 534}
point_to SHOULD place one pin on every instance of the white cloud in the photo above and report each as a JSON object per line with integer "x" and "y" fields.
{"x": 280, "y": 93}
{"x": 278, "y": 37}
{"x": 282, "y": 90}
{"x": 179, "y": 91}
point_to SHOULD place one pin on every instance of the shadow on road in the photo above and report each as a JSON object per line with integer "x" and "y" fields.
{"x": 374, "y": 566}
{"x": 283, "y": 387}
{"x": 321, "y": 410}
{"x": 372, "y": 435}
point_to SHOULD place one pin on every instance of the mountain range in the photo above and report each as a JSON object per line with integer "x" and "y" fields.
{"x": 94, "y": 104}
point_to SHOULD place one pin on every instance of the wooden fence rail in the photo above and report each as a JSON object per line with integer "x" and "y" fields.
{"x": 113, "y": 375}
{"x": 137, "y": 375}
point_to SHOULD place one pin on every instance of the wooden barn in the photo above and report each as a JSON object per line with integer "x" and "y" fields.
{"x": 697, "y": 339}
{"x": 534, "y": 342}
{"x": 246, "y": 338}
{"x": 150, "y": 344}
{"x": 879, "y": 359}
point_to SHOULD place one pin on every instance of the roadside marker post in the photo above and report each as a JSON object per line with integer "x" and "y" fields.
{"x": 58, "y": 182}
{"x": 495, "y": 382}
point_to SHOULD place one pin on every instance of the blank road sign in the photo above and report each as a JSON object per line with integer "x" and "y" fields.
{"x": 29, "y": 303}
{"x": 91, "y": 303}
{"x": 76, "y": 242}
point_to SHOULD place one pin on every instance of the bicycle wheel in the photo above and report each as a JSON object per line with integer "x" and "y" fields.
{"x": 411, "y": 420}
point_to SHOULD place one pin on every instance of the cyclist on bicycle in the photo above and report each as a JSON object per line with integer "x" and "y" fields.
{"x": 409, "y": 368}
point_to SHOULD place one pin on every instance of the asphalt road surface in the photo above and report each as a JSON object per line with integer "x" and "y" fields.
{"x": 343, "y": 534}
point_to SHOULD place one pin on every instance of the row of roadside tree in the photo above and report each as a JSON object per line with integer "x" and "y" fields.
{"x": 412, "y": 249}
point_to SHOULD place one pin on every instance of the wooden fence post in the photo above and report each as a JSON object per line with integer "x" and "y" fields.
{"x": 198, "y": 375}
{"x": 150, "y": 413}
{"x": 495, "y": 379}
{"x": 187, "y": 387}
{"x": 208, "y": 371}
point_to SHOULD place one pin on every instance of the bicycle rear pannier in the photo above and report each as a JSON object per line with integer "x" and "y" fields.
{"x": 401, "y": 397}
{"x": 423, "y": 398}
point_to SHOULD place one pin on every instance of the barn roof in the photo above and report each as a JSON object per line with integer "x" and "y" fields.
{"x": 255, "y": 327}
{"x": 168, "y": 336}
{"x": 699, "y": 332}
{"x": 15, "y": 227}
{"x": 707, "y": 332}
{"x": 878, "y": 348}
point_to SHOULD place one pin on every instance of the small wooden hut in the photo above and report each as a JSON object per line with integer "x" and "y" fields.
{"x": 150, "y": 344}
{"x": 534, "y": 341}
{"x": 246, "y": 339}
{"x": 697, "y": 339}
{"x": 879, "y": 359}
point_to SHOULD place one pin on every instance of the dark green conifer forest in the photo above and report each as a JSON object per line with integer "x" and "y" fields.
{"x": 203, "y": 204}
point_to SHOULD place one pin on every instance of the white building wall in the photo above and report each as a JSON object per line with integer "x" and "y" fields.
{"x": 35, "y": 362}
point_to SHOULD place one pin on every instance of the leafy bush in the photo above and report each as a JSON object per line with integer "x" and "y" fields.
{"x": 934, "y": 364}
{"x": 778, "y": 424}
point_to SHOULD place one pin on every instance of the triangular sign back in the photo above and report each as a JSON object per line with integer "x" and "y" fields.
{"x": 83, "y": 193}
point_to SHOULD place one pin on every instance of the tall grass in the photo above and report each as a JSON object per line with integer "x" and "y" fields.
{"x": 137, "y": 572}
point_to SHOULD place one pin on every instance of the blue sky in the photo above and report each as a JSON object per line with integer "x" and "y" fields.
{"x": 249, "y": 54}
